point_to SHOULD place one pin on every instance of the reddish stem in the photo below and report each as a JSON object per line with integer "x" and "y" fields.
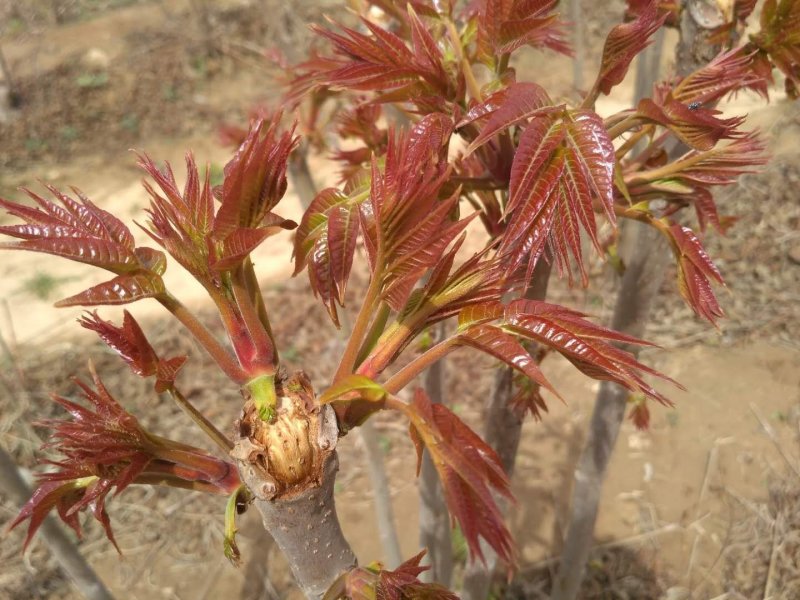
{"x": 435, "y": 353}
{"x": 204, "y": 337}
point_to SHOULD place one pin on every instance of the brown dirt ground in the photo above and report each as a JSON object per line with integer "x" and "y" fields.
{"x": 701, "y": 503}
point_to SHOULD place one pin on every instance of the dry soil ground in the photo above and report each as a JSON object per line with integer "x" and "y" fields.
{"x": 698, "y": 506}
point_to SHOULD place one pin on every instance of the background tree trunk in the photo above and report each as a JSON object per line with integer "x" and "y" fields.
{"x": 502, "y": 432}
{"x": 644, "y": 273}
{"x": 63, "y": 550}
{"x": 434, "y": 521}
{"x": 640, "y": 283}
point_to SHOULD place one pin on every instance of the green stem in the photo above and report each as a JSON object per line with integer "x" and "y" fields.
{"x": 230, "y": 548}
{"x": 262, "y": 392}
{"x": 670, "y": 169}
{"x": 348, "y": 361}
{"x": 258, "y": 298}
{"x": 204, "y": 337}
{"x": 626, "y": 124}
{"x": 632, "y": 141}
{"x": 375, "y": 331}
{"x": 405, "y": 375}
{"x": 466, "y": 68}
{"x": 173, "y": 481}
{"x": 219, "y": 438}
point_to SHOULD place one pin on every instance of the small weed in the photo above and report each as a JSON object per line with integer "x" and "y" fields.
{"x": 169, "y": 92}
{"x": 35, "y": 144}
{"x": 16, "y": 25}
{"x": 68, "y": 133}
{"x": 200, "y": 66}
{"x": 130, "y": 122}
{"x": 291, "y": 353}
{"x": 672, "y": 418}
{"x": 42, "y": 285}
{"x": 92, "y": 80}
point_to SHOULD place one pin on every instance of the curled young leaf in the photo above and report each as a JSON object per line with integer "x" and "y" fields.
{"x": 624, "y": 42}
{"x": 130, "y": 343}
{"x": 695, "y": 273}
{"x": 374, "y": 581}
{"x": 506, "y": 26}
{"x": 104, "y": 448}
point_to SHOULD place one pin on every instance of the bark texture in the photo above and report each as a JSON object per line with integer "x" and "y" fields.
{"x": 640, "y": 284}
{"x": 502, "y": 432}
{"x": 63, "y": 550}
{"x": 645, "y": 266}
{"x": 384, "y": 514}
{"x": 290, "y": 466}
{"x": 434, "y": 521}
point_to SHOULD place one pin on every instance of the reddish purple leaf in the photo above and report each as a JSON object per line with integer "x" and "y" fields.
{"x": 470, "y": 471}
{"x": 120, "y": 290}
{"x": 695, "y": 273}
{"x": 503, "y": 346}
{"x": 255, "y": 179}
{"x": 624, "y": 42}
{"x": 130, "y": 343}
{"x": 520, "y": 102}
{"x": 582, "y": 342}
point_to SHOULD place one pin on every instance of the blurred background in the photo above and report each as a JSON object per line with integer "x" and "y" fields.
{"x": 705, "y": 503}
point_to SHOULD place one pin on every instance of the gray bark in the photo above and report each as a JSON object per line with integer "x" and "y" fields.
{"x": 63, "y": 550}
{"x": 289, "y": 464}
{"x": 577, "y": 43}
{"x": 503, "y": 431}
{"x": 306, "y": 529}
{"x": 300, "y": 175}
{"x": 434, "y": 520}
{"x": 643, "y": 276}
{"x": 640, "y": 283}
{"x": 373, "y": 455}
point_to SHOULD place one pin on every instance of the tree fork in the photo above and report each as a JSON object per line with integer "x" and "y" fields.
{"x": 290, "y": 467}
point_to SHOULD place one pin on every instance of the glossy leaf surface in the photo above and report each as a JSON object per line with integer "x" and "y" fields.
{"x": 470, "y": 472}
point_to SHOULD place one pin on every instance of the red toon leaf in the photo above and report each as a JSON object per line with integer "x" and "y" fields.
{"x": 520, "y": 102}
{"x": 695, "y": 273}
{"x": 374, "y": 582}
{"x": 560, "y": 167}
{"x": 624, "y": 42}
{"x": 103, "y": 448}
{"x": 130, "y": 343}
{"x": 78, "y": 230}
{"x": 470, "y": 472}
{"x": 585, "y": 344}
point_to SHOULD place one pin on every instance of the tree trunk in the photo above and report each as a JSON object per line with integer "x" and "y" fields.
{"x": 289, "y": 465}
{"x": 63, "y": 550}
{"x": 502, "y": 432}
{"x": 640, "y": 284}
{"x": 300, "y": 175}
{"x": 434, "y": 520}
